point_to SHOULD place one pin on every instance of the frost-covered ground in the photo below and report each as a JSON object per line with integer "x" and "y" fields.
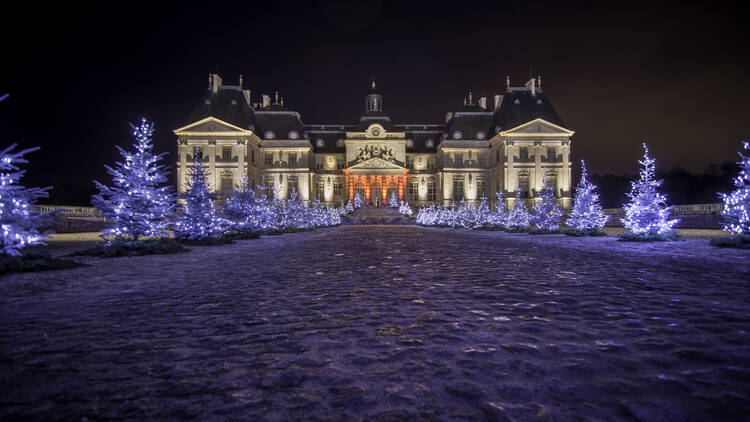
{"x": 384, "y": 323}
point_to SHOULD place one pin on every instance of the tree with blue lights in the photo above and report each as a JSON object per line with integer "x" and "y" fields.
{"x": 647, "y": 215}
{"x": 137, "y": 205}
{"x": 393, "y": 201}
{"x": 499, "y": 218}
{"x": 547, "y": 212}
{"x": 519, "y": 217}
{"x": 358, "y": 201}
{"x": 483, "y": 213}
{"x": 587, "y": 214}
{"x": 20, "y": 224}
{"x": 197, "y": 220}
{"x": 240, "y": 208}
{"x": 736, "y": 209}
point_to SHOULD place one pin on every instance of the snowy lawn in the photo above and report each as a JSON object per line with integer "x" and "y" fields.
{"x": 384, "y": 323}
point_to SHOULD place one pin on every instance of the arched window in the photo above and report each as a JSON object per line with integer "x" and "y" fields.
{"x": 429, "y": 143}
{"x": 320, "y": 143}
{"x": 410, "y": 143}
{"x": 293, "y": 134}
{"x": 481, "y": 135}
{"x": 269, "y": 135}
{"x": 458, "y": 135}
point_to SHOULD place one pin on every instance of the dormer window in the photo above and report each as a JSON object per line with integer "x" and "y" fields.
{"x": 320, "y": 143}
{"x": 269, "y": 135}
{"x": 340, "y": 143}
{"x": 517, "y": 101}
{"x": 429, "y": 143}
{"x": 458, "y": 135}
{"x": 410, "y": 143}
{"x": 293, "y": 134}
{"x": 481, "y": 135}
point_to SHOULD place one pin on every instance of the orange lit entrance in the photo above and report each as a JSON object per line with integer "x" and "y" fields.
{"x": 373, "y": 186}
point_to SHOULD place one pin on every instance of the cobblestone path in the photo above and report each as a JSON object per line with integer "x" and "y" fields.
{"x": 384, "y": 323}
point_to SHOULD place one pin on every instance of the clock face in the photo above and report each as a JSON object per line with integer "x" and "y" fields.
{"x": 375, "y": 132}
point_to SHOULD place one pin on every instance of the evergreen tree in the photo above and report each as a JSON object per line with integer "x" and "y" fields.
{"x": 393, "y": 201}
{"x": 20, "y": 224}
{"x": 198, "y": 219}
{"x": 647, "y": 212}
{"x": 358, "y": 201}
{"x": 483, "y": 213}
{"x": 137, "y": 205}
{"x": 240, "y": 207}
{"x": 500, "y": 217}
{"x": 587, "y": 214}
{"x": 736, "y": 210}
{"x": 519, "y": 217}
{"x": 404, "y": 209}
{"x": 547, "y": 212}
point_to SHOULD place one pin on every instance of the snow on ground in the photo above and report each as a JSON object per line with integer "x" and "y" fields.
{"x": 384, "y": 323}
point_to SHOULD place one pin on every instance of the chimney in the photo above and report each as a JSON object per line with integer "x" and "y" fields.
{"x": 531, "y": 86}
{"x": 498, "y": 101}
{"x": 483, "y": 102}
{"x": 246, "y": 92}
{"x": 215, "y": 82}
{"x": 266, "y": 101}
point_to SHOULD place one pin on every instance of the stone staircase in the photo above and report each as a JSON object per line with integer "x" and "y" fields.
{"x": 377, "y": 215}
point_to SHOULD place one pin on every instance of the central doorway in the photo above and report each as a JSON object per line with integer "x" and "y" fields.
{"x": 376, "y": 197}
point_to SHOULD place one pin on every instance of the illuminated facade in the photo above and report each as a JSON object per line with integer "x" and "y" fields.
{"x": 516, "y": 140}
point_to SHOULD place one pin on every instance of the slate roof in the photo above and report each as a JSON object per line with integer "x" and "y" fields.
{"x": 330, "y": 136}
{"x": 470, "y": 124}
{"x": 281, "y": 123}
{"x": 519, "y": 107}
{"x": 227, "y": 104}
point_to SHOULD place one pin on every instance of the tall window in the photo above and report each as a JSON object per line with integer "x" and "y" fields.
{"x": 339, "y": 163}
{"x": 523, "y": 154}
{"x": 270, "y": 191}
{"x": 430, "y": 165}
{"x": 319, "y": 165}
{"x": 459, "y": 159}
{"x": 226, "y": 152}
{"x": 431, "y": 191}
{"x": 480, "y": 159}
{"x": 550, "y": 153}
{"x": 523, "y": 183}
{"x": 480, "y": 187}
{"x": 293, "y": 184}
{"x": 413, "y": 191}
{"x": 321, "y": 191}
{"x": 268, "y": 159}
{"x": 458, "y": 187}
{"x": 337, "y": 188}
{"x": 292, "y": 158}
{"x": 226, "y": 186}
{"x": 409, "y": 163}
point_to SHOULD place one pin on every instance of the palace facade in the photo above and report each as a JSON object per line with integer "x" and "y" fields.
{"x": 514, "y": 139}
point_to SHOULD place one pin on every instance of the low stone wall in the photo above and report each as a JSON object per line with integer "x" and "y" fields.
{"x": 64, "y": 224}
{"x": 692, "y": 216}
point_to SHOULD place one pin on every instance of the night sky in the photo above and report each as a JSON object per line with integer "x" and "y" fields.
{"x": 673, "y": 74}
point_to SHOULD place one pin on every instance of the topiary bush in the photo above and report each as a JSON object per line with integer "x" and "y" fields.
{"x": 33, "y": 263}
{"x": 118, "y": 247}
{"x": 740, "y": 242}
{"x": 650, "y": 237}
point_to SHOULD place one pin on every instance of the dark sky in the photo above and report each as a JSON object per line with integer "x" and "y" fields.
{"x": 673, "y": 74}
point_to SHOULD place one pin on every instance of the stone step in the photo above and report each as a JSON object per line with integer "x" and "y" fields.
{"x": 377, "y": 215}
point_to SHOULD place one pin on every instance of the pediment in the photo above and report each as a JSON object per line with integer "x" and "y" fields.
{"x": 376, "y": 163}
{"x": 210, "y": 125}
{"x": 538, "y": 126}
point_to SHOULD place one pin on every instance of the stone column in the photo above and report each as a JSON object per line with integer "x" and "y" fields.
{"x": 240, "y": 162}
{"x": 510, "y": 176}
{"x": 538, "y": 179}
{"x": 565, "y": 167}
{"x": 212, "y": 164}
{"x": 181, "y": 178}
